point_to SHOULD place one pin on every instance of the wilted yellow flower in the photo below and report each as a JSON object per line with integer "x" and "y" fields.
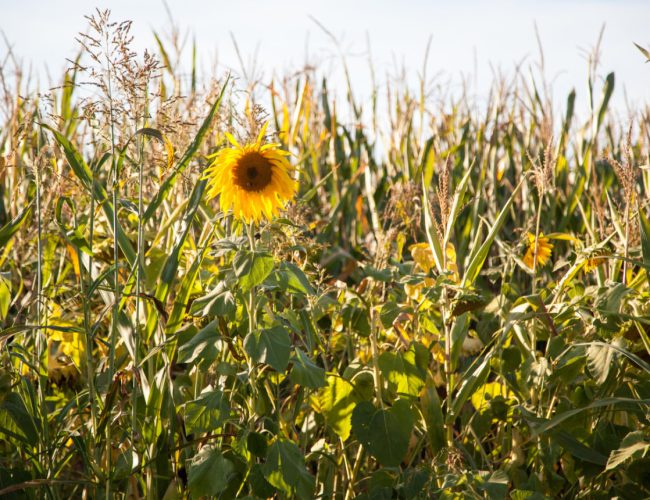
{"x": 66, "y": 351}
{"x": 253, "y": 180}
{"x": 452, "y": 267}
{"x": 415, "y": 291}
{"x": 544, "y": 250}
{"x": 593, "y": 263}
{"x": 423, "y": 256}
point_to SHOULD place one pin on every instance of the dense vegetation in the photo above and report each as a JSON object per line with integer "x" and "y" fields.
{"x": 454, "y": 305}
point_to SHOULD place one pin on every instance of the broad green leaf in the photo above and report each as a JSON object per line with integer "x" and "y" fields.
{"x": 384, "y": 433}
{"x": 207, "y": 412}
{"x": 271, "y": 346}
{"x": 290, "y": 278}
{"x": 202, "y": 346}
{"x": 406, "y": 370}
{"x": 209, "y": 472}
{"x": 337, "y": 402}
{"x": 261, "y": 487}
{"x": 285, "y": 469}
{"x": 252, "y": 268}
{"x": 305, "y": 372}
{"x": 218, "y": 302}
{"x": 389, "y": 313}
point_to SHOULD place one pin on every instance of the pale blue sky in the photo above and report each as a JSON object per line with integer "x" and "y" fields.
{"x": 499, "y": 33}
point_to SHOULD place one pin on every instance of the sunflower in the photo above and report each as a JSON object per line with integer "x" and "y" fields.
{"x": 254, "y": 179}
{"x": 544, "y": 250}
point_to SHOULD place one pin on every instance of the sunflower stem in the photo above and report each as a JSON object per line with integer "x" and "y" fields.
{"x": 252, "y": 315}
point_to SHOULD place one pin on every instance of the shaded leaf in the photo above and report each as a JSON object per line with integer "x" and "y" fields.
{"x": 252, "y": 268}
{"x": 271, "y": 346}
{"x": 384, "y": 433}
{"x": 285, "y": 469}
{"x": 305, "y": 372}
{"x": 207, "y": 412}
{"x": 209, "y": 472}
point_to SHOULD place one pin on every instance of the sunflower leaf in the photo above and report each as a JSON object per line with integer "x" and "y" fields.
{"x": 252, "y": 268}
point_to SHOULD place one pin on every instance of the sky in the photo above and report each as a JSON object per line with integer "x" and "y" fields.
{"x": 469, "y": 38}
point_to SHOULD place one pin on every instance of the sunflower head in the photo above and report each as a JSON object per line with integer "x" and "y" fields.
{"x": 544, "y": 250}
{"x": 254, "y": 179}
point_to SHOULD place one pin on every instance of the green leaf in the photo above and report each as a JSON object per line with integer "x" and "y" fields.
{"x": 458, "y": 336}
{"x": 207, "y": 412}
{"x": 599, "y": 360}
{"x": 608, "y": 89}
{"x": 633, "y": 445}
{"x": 384, "y": 433}
{"x": 260, "y": 486}
{"x": 643, "y": 51}
{"x": 252, "y": 268}
{"x": 305, "y": 372}
{"x": 389, "y": 313}
{"x": 202, "y": 346}
{"x": 547, "y": 425}
{"x": 285, "y": 469}
{"x": 85, "y": 175}
{"x": 256, "y": 443}
{"x": 10, "y": 228}
{"x": 290, "y": 278}
{"x": 5, "y": 296}
{"x": 171, "y": 264}
{"x": 432, "y": 414}
{"x": 578, "y": 449}
{"x": 14, "y": 405}
{"x": 405, "y": 370}
{"x": 472, "y": 379}
{"x": 337, "y": 402}
{"x": 479, "y": 254}
{"x": 456, "y": 205}
{"x": 432, "y": 232}
{"x": 271, "y": 346}
{"x": 644, "y": 225}
{"x": 209, "y": 472}
{"x": 218, "y": 302}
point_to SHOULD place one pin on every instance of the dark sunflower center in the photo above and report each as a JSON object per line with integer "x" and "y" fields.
{"x": 253, "y": 172}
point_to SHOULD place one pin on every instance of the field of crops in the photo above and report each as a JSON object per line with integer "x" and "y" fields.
{"x": 211, "y": 287}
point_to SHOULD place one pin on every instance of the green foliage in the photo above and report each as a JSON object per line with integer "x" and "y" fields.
{"x": 386, "y": 338}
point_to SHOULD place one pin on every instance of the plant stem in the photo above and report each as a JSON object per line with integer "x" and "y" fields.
{"x": 252, "y": 317}
{"x": 536, "y": 243}
{"x": 116, "y": 275}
